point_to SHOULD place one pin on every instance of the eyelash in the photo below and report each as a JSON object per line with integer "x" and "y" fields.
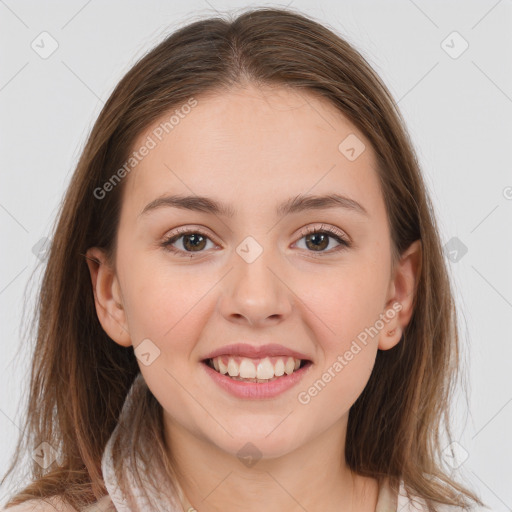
{"x": 332, "y": 232}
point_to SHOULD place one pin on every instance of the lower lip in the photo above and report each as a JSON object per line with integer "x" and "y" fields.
{"x": 255, "y": 390}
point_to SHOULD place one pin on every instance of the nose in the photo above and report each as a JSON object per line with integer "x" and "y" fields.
{"x": 256, "y": 293}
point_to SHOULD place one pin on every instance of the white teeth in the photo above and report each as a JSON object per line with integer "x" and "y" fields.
{"x": 233, "y": 368}
{"x": 279, "y": 368}
{"x": 264, "y": 370}
{"x": 247, "y": 369}
{"x": 222, "y": 367}
{"x": 289, "y": 366}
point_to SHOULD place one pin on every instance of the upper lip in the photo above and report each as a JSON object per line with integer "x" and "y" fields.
{"x": 255, "y": 352}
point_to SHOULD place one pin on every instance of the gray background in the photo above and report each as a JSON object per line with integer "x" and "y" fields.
{"x": 457, "y": 106}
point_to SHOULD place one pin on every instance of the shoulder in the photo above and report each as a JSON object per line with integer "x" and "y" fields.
{"x": 41, "y": 505}
{"x": 406, "y": 503}
{"x": 55, "y": 504}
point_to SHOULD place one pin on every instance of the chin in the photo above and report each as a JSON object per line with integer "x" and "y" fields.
{"x": 270, "y": 440}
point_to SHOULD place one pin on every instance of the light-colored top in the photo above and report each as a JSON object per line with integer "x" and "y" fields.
{"x": 387, "y": 502}
{"x": 116, "y": 501}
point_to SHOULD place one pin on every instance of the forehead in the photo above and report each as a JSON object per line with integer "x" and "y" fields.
{"x": 253, "y": 142}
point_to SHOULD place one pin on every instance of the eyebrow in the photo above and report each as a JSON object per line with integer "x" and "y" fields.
{"x": 293, "y": 205}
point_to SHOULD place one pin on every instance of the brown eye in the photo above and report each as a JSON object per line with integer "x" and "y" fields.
{"x": 194, "y": 242}
{"x": 318, "y": 239}
{"x": 190, "y": 241}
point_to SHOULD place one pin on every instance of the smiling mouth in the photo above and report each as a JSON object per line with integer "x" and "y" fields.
{"x": 261, "y": 370}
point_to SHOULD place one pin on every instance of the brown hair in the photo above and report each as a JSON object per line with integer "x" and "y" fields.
{"x": 80, "y": 377}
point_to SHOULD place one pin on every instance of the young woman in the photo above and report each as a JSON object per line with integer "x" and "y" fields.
{"x": 246, "y": 304}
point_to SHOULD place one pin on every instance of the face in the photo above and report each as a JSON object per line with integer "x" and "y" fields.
{"x": 313, "y": 279}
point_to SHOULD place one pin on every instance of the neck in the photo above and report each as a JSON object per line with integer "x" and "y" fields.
{"x": 312, "y": 477}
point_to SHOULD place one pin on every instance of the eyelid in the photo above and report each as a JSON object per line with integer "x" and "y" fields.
{"x": 326, "y": 228}
{"x": 196, "y": 228}
{"x": 177, "y": 233}
{"x": 344, "y": 240}
{"x": 191, "y": 227}
{"x": 186, "y": 230}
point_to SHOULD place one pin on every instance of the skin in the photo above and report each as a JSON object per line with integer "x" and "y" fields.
{"x": 254, "y": 148}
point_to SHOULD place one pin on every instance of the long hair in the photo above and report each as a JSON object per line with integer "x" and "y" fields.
{"x": 80, "y": 377}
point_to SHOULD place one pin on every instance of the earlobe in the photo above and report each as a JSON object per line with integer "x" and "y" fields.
{"x": 107, "y": 297}
{"x": 402, "y": 291}
{"x": 389, "y": 337}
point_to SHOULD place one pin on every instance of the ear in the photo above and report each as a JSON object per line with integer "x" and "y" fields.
{"x": 107, "y": 297}
{"x": 401, "y": 293}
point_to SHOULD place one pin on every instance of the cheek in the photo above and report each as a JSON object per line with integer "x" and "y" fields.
{"x": 161, "y": 298}
{"x": 336, "y": 387}
{"x": 347, "y": 300}
{"x": 346, "y": 309}
{"x": 349, "y": 310}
